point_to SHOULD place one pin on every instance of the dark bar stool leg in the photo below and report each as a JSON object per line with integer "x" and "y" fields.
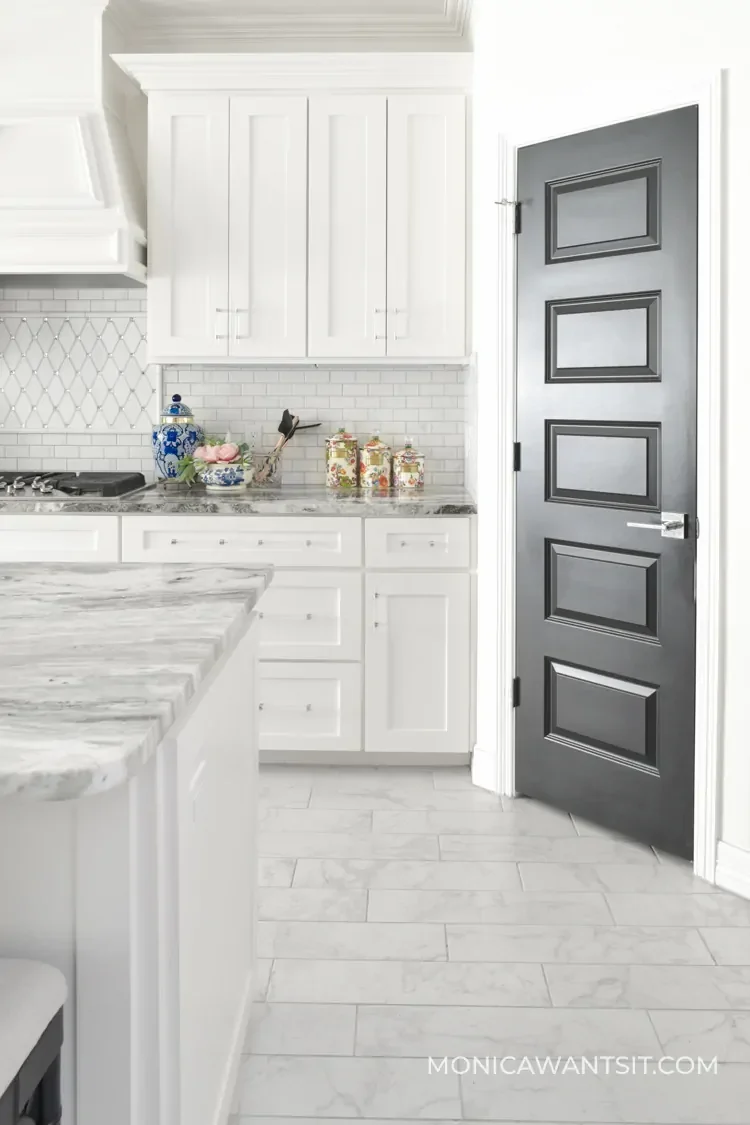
{"x": 50, "y": 1106}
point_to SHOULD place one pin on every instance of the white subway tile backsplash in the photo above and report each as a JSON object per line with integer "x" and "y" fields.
{"x": 428, "y": 405}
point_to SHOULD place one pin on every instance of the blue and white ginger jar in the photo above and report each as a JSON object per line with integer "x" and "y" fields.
{"x": 175, "y": 437}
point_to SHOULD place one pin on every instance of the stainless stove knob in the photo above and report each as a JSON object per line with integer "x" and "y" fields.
{"x": 19, "y": 483}
{"x": 37, "y": 482}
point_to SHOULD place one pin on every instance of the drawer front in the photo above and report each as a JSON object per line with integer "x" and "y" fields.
{"x": 279, "y": 541}
{"x": 419, "y": 544}
{"x": 310, "y": 706}
{"x": 59, "y": 538}
{"x": 311, "y": 616}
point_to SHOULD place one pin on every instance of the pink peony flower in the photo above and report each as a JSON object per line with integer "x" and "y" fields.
{"x": 227, "y": 452}
{"x": 199, "y": 453}
{"x": 210, "y": 454}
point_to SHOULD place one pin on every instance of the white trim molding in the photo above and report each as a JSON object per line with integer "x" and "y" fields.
{"x": 733, "y": 869}
{"x": 529, "y": 121}
{"x": 389, "y": 72}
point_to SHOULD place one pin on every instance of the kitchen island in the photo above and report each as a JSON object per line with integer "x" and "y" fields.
{"x": 128, "y": 759}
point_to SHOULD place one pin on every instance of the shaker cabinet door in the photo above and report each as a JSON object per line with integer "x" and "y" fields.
{"x": 417, "y": 654}
{"x": 347, "y": 302}
{"x": 188, "y": 314}
{"x": 268, "y": 226}
{"x": 427, "y": 225}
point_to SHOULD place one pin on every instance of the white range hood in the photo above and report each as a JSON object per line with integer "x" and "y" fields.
{"x": 72, "y": 202}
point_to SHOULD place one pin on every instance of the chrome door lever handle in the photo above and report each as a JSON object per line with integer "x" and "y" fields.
{"x": 672, "y": 525}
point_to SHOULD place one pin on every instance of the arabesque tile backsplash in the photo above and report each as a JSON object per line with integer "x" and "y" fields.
{"x": 87, "y": 401}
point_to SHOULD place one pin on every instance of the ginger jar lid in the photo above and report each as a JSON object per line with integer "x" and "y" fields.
{"x": 176, "y": 410}
{"x": 408, "y": 454}
{"x": 341, "y": 437}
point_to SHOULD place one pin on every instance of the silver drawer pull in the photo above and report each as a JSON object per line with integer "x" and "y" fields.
{"x": 403, "y": 543}
{"x": 260, "y": 542}
{"x": 286, "y": 706}
{"x": 308, "y": 542}
{"x": 432, "y": 542}
{"x": 222, "y": 542}
{"x": 173, "y": 541}
{"x": 285, "y": 616}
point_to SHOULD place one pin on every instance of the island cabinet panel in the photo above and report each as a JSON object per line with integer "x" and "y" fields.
{"x": 417, "y": 651}
{"x": 188, "y": 199}
{"x": 347, "y": 301}
{"x": 310, "y": 706}
{"x": 315, "y": 615}
{"x": 278, "y": 541}
{"x": 59, "y": 538}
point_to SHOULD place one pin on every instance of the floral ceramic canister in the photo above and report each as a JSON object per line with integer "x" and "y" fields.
{"x": 408, "y": 467}
{"x": 341, "y": 460}
{"x": 175, "y": 437}
{"x": 375, "y": 463}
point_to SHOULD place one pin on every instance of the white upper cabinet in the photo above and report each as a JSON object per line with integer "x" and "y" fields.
{"x": 188, "y": 313}
{"x": 347, "y": 301}
{"x": 268, "y": 226}
{"x": 426, "y": 225}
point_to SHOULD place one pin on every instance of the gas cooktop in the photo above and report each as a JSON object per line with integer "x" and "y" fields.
{"x": 26, "y": 486}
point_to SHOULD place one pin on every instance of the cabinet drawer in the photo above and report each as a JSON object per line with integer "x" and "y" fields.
{"x": 420, "y": 544}
{"x": 311, "y": 616}
{"x": 279, "y": 541}
{"x": 310, "y": 706}
{"x": 59, "y": 538}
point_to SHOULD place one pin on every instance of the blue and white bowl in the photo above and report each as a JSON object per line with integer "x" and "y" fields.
{"x": 226, "y": 477}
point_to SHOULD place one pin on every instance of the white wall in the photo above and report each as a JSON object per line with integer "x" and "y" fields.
{"x": 551, "y": 67}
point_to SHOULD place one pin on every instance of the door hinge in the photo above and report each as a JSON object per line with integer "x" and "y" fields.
{"x": 517, "y": 219}
{"x": 516, "y": 456}
{"x": 517, "y": 691}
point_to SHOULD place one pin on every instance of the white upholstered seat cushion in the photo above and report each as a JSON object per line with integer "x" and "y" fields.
{"x": 31, "y": 993}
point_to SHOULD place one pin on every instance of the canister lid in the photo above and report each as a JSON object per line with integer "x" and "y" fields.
{"x": 176, "y": 409}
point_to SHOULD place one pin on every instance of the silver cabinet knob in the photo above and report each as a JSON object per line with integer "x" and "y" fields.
{"x": 173, "y": 541}
{"x": 222, "y": 542}
{"x": 260, "y": 542}
{"x": 308, "y": 542}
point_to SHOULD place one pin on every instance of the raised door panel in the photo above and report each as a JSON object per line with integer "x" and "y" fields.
{"x": 188, "y": 316}
{"x": 417, "y": 653}
{"x": 268, "y": 226}
{"x": 427, "y": 225}
{"x": 347, "y": 226}
{"x": 59, "y": 538}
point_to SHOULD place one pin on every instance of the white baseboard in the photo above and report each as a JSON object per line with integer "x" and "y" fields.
{"x": 484, "y": 770}
{"x": 733, "y": 869}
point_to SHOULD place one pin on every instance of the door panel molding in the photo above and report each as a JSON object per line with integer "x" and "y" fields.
{"x": 509, "y": 128}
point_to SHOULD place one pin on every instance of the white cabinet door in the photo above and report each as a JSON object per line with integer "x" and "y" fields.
{"x": 347, "y": 302}
{"x": 188, "y": 315}
{"x": 427, "y": 225}
{"x": 417, "y": 652}
{"x": 268, "y": 225}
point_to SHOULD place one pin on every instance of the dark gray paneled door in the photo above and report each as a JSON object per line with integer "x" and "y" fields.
{"x": 607, "y": 281}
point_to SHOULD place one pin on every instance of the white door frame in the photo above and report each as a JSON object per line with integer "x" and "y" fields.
{"x": 493, "y": 764}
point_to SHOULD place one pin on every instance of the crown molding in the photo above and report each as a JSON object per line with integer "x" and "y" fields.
{"x": 424, "y": 70}
{"x": 180, "y": 26}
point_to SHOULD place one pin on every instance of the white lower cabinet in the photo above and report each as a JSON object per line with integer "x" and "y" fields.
{"x": 59, "y": 538}
{"x": 417, "y": 656}
{"x": 309, "y": 615}
{"x": 312, "y": 706}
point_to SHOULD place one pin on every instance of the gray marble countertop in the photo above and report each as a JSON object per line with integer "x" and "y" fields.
{"x": 97, "y": 662}
{"x": 279, "y": 500}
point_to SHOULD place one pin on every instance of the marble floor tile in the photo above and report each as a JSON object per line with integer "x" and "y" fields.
{"x": 421, "y": 1032}
{"x": 406, "y": 874}
{"x": 679, "y": 910}
{"x": 587, "y": 828}
{"x": 542, "y": 849}
{"x": 376, "y": 779}
{"x": 534, "y": 821}
{"x": 301, "y": 1029}
{"x": 330, "y": 1088}
{"x": 315, "y": 820}
{"x": 408, "y": 982}
{"x": 280, "y": 904}
{"x": 723, "y": 1035}
{"x": 458, "y": 777}
{"x": 408, "y": 799}
{"x": 276, "y": 872}
{"x": 487, "y": 906}
{"x": 649, "y": 986}
{"x": 639, "y": 878}
{"x": 276, "y": 793}
{"x": 346, "y": 941}
{"x": 638, "y": 1099}
{"x": 605, "y": 945}
{"x": 341, "y": 845}
{"x": 262, "y": 975}
{"x": 728, "y": 946}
